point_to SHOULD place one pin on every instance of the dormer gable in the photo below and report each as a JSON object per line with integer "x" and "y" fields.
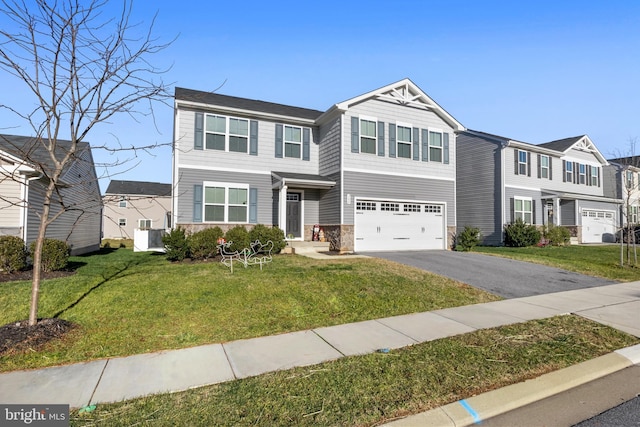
{"x": 579, "y": 143}
{"x": 404, "y": 92}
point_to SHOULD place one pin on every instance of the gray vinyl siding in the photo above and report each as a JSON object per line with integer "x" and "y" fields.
{"x": 568, "y": 212}
{"x": 311, "y": 202}
{"x": 265, "y": 160}
{"x": 378, "y": 186}
{"x": 80, "y": 226}
{"x": 191, "y": 177}
{"x": 478, "y": 187}
{"x": 392, "y": 114}
{"x": 556, "y": 183}
{"x": 329, "y": 150}
{"x": 329, "y": 205}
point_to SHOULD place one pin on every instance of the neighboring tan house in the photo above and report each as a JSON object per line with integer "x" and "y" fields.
{"x": 135, "y": 204}
{"x": 560, "y": 183}
{"x": 25, "y": 165}
{"x": 375, "y": 172}
{"x": 624, "y": 183}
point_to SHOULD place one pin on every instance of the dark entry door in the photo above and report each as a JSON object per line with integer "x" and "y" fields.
{"x": 294, "y": 218}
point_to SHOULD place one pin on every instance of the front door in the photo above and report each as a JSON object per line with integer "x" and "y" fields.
{"x": 294, "y": 218}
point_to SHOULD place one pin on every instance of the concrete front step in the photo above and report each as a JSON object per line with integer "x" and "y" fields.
{"x": 306, "y": 247}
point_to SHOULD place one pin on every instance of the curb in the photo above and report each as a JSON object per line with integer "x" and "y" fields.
{"x": 474, "y": 410}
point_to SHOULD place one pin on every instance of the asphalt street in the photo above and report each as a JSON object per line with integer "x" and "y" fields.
{"x": 501, "y": 276}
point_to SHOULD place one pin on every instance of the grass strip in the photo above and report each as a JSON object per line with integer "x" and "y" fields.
{"x": 370, "y": 389}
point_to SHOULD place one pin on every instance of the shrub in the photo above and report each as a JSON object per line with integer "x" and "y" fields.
{"x": 557, "y": 236}
{"x": 518, "y": 234}
{"x": 176, "y": 244}
{"x": 468, "y": 238}
{"x": 263, "y": 233}
{"x": 204, "y": 244}
{"x": 239, "y": 236}
{"x": 13, "y": 254}
{"x": 55, "y": 254}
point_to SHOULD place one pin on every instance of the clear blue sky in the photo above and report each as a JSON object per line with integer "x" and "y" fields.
{"x": 534, "y": 71}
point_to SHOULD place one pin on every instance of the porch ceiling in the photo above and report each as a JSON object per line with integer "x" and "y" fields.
{"x": 301, "y": 180}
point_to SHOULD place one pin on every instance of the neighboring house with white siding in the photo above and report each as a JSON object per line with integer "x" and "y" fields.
{"x": 24, "y": 167}
{"x": 135, "y": 204}
{"x": 562, "y": 182}
{"x": 377, "y": 171}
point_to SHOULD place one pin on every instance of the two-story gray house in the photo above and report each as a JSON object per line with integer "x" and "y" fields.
{"x": 561, "y": 182}
{"x": 377, "y": 171}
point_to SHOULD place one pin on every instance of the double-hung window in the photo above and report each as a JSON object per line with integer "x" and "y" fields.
{"x": 225, "y": 202}
{"x": 582, "y": 173}
{"x": 368, "y": 136}
{"x": 404, "y": 141}
{"x": 523, "y": 162}
{"x": 523, "y": 209}
{"x": 632, "y": 216}
{"x": 220, "y": 129}
{"x": 568, "y": 169}
{"x": 594, "y": 176}
{"x": 629, "y": 180}
{"x": 144, "y": 224}
{"x": 122, "y": 203}
{"x": 435, "y": 146}
{"x": 544, "y": 166}
{"x": 292, "y": 141}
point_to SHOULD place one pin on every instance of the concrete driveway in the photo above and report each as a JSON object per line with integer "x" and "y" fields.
{"x": 501, "y": 276}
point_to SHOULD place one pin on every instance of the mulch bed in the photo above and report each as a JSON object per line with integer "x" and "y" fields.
{"x": 19, "y": 336}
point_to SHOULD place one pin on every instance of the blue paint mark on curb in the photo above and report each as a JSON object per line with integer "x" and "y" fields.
{"x": 474, "y": 414}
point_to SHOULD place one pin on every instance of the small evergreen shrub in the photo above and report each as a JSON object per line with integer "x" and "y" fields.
{"x": 518, "y": 234}
{"x": 557, "y": 236}
{"x": 468, "y": 238}
{"x": 176, "y": 244}
{"x": 264, "y": 234}
{"x": 239, "y": 236}
{"x": 55, "y": 254}
{"x": 204, "y": 244}
{"x": 13, "y": 254}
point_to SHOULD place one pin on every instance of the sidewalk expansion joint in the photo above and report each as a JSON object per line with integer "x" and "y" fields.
{"x": 327, "y": 342}
{"x": 226, "y": 355}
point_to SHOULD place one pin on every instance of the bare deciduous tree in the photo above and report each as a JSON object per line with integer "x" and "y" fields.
{"x": 81, "y": 68}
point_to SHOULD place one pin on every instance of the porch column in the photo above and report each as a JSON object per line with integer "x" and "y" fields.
{"x": 283, "y": 209}
{"x": 556, "y": 211}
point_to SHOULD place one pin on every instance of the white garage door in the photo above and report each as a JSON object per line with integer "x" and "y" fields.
{"x": 598, "y": 226}
{"x": 393, "y": 225}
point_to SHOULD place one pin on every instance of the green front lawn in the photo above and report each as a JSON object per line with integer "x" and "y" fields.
{"x": 593, "y": 260}
{"x": 128, "y": 303}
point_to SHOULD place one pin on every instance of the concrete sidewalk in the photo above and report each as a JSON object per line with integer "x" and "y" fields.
{"x": 117, "y": 379}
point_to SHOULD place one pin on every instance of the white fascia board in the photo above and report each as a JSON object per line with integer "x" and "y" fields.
{"x": 246, "y": 113}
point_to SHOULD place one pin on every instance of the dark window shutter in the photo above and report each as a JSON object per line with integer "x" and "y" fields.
{"x": 392, "y": 140}
{"x": 253, "y": 205}
{"x": 533, "y": 212}
{"x": 598, "y": 173}
{"x": 588, "y": 175}
{"x": 576, "y": 173}
{"x": 445, "y": 148}
{"x": 539, "y": 157}
{"x": 355, "y": 135}
{"x": 198, "y": 135}
{"x": 381, "y": 139}
{"x": 425, "y": 145}
{"x": 513, "y": 209}
{"x": 197, "y": 203}
{"x": 306, "y": 143}
{"x": 550, "y": 168}
{"x": 416, "y": 144}
{"x": 528, "y": 164}
{"x": 517, "y": 155}
{"x": 279, "y": 140}
{"x": 253, "y": 137}
{"x": 564, "y": 171}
